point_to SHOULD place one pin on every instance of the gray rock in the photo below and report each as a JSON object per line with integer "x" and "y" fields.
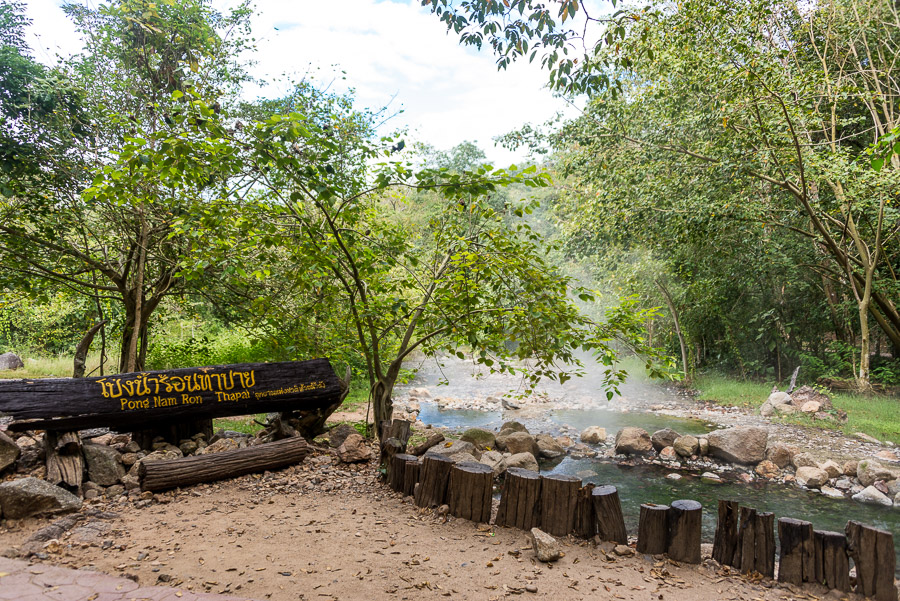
{"x": 803, "y": 460}
{"x": 354, "y": 449}
{"x": 523, "y": 460}
{"x": 548, "y": 447}
{"x": 741, "y": 444}
{"x": 673, "y": 476}
{"x": 775, "y": 403}
{"x": 463, "y": 458}
{"x": 495, "y": 461}
{"x": 704, "y": 445}
{"x": 449, "y": 448}
{"x": 869, "y": 470}
{"x": 663, "y": 438}
{"x": 26, "y": 497}
{"x": 546, "y": 548}
{"x": 811, "y": 477}
{"x": 780, "y": 454}
{"x": 897, "y": 500}
{"x": 873, "y": 496}
{"x": 710, "y": 477}
{"x": 514, "y": 426}
{"x": 843, "y": 484}
{"x": 104, "y": 464}
{"x": 115, "y": 490}
{"x": 832, "y": 469}
{"x": 831, "y": 492}
{"x": 481, "y": 438}
{"x": 521, "y": 442}
{"x": 633, "y": 441}
{"x": 593, "y": 435}
{"x": 9, "y": 451}
{"x": 10, "y": 361}
{"x": 686, "y": 445}
{"x": 866, "y": 437}
{"x": 806, "y": 394}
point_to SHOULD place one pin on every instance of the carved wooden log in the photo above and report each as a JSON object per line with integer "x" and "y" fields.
{"x": 520, "y": 499}
{"x": 397, "y": 471}
{"x": 65, "y": 463}
{"x": 410, "y": 475}
{"x": 725, "y": 544}
{"x": 653, "y": 529}
{"x": 559, "y": 495}
{"x": 433, "y": 479}
{"x": 872, "y": 551}
{"x": 161, "y": 475}
{"x": 684, "y": 520}
{"x": 158, "y": 399}
{"x": 797, "y": 559}
{"x": 608, "y": 513}
{"x": 469, "y": 491}
{"x": 585, "y": 522}
{"x": 832, "y": 563}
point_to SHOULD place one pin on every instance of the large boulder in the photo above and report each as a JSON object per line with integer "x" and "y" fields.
{"x": 513, "y": 426}
{"x": 354, "y": 449}
{"x": 495, "y": 461}
{"x": 521, "y": 442}
{"x": 523, "y": 460}
{"x": 869, "y": 470}
{"x": 686, "y": 445}
{"x": 481, "y": 438}
{"x": 10, "y": 361}
{"x": 633, "y": 441}
{"x": 104, "y": 464}
{"x": 548, "y": 447}
{"x": 811, "y": 477}
{"x": 9, "y": 451}
{"x": 780, "y": 454}
{"x": 663, "y": 438}
{"x": 803, "y": 460}
{"x": 741, "y": 444}
{"x": 26, "y": 497}
{"x": 593, "y": 435}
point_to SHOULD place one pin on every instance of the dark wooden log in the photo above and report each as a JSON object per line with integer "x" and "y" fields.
{"x": 310, "y": 422}
{"x": 156, "y": 399}
{"x": 433, "y": 439}
{"x": 389, "y": 449}
{"x": 520, "y": 500}
{"x": 684, "y": 519}
{"x": 746, "y": 552}
{"x": 469, "y": 491}
{"x": 653, "y": 529}
{"x": 797, "y": 559}
{"x": 65, "y": 463}
{"x": 397, "y": 472}
{"x": 433, "y": 479}
{"x": 162, "y": 475}
{"x": 410, "y": 475}
{"x": 559, "y": 495}
{"x": 395, "y": 430}
{"x": 765, "y": 544}
{"x": 608, "y": 513}
{"x": 585, "y": 522}
{"x": 872, "y": 551}
{"x": 832, "y": 567}
{"x": 725, "y": 542}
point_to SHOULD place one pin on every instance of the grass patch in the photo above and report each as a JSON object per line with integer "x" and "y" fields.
{"x": 244, "y": 424}
{"x": 58, "y": 367}
{"x": 877, "y": 416}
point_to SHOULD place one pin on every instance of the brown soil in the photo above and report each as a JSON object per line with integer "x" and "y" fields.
{"x": 322, "y": 530}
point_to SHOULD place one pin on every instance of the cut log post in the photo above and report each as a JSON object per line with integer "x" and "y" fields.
{"x": 832, "y": 563}
{"x": 746, "y": 551}
{"x": 797, "y": 559}
{"x": 520, "y": 500}
{"x": 559, "y": 495}
{"x": 653, "y": 529}
{"x": 872, "y": 551}
{"x": 410, "y": 475}
{"x": 469, "y": 491}
{"x": 397, "y": 471}
{"x": 684, "y": 519}
{"x": 725, "y": 544}
{"x": 161, "y": 475}
{"x": 65, "y": 463}
{"x": 765, "y": 544}
{"x": 433, "y": 479}
{"x": 585, "y": 523}
{"x": 608, "y": 513}
{"x": 389, "y": 448}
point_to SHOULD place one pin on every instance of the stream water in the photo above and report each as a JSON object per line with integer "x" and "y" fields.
{"x": 645, "y": 483}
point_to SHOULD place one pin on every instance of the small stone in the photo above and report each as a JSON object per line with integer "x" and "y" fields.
{"x": 810, "y": 407}
{"x": 850, "y": 467}
{"x": 767, "y": 469}
{"x": 831, "y": 492}
{"x": 623, "y": 551}
{"x": 674, "y": 477}
{"x": 866, "y": 437}
{"x": 686, "y": 445}
{"x": 710, "y": 477}
{"x": 664, "y": 438}
{"x": 115, "y": 490}
{"x": 9, "y": 451}
{"x": 780, "y": 454}
{"x": 633, "y": 441}
{"x": 523, "y": 460}
{"x": 354, "y": 449}
{"x": 531, "y": 588}
{"x": 546, "y": 548}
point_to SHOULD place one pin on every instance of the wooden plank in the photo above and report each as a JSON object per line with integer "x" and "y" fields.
{"x": 147, "y": 399}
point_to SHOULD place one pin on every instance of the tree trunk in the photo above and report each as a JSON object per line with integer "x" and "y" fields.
{"x": 434, "y": 476}
{"x": 674, "y": 312}
{"x": 725, "y": 543}
{"x": 832, "y": 563}
{"x": 585, "y": 522}
{"x": 797, "y": 562}
{"x": 863, "y": 384}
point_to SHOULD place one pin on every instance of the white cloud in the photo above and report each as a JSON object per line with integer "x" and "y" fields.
{"x": 392, "y": 52}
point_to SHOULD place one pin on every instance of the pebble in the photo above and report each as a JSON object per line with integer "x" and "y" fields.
{"x": 531, "y": 588}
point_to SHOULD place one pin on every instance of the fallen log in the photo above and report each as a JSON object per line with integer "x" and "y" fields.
{"x": 162, "y": 475}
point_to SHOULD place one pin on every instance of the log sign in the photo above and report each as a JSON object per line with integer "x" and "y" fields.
{"x": 192, "y": 393}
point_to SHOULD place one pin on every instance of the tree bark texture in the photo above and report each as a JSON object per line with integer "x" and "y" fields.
{"x": 411, "y": 472}
{"x": 559, "y": 495}
{"x": 725, "y": 543}
{"x": 653, "y": 529}
{"x": 832, "y": 562}
{"x": 433, "y": 479}
{"x": 65, "y": 463}
{"x": 520, "y": 500}
{"x": 469, "y": 491}
{"x": 872, "y": 551}
{"x": 608, "y": 512}
{"x": 797, "y": 560}
{"x": 585, "y": 522}
{"x": 397, "y": 472}
{"x": 186, "y": 471}
{"x": 684, "y": 521}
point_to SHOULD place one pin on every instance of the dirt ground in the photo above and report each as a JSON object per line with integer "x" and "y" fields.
{"x": 323, "y": 530}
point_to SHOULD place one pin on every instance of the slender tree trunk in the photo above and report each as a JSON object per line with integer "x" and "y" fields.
{"x": 674, "y": 312}
{"x": 862, "y": 380}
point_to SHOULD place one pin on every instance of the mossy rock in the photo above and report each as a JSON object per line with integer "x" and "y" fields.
{"x": 481, "y": 438}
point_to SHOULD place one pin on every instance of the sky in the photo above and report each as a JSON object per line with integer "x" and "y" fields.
{"x": 394, "y": 53}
